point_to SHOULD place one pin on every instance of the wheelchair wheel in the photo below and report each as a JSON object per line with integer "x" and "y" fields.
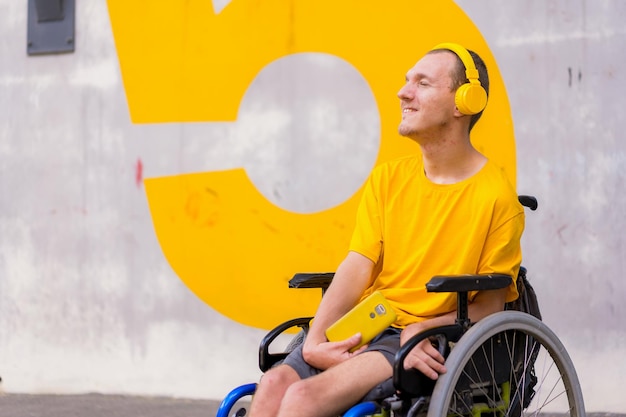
{"x": 508, "y": 364}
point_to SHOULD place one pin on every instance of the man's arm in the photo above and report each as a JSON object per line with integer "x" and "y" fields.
{"x": 424, "y": 356}
{"x": 503, "y": 254}
{"x": 351, "y": 279}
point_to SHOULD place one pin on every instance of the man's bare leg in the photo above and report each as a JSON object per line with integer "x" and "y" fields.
{"x": 337, "y": 389}
{"x": 271, "y": 389}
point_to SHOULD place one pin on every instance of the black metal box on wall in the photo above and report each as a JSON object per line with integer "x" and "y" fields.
{"x": 50, "y": 26}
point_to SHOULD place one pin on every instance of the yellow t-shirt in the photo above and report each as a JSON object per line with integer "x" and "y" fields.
{"x": 414, "y": 229}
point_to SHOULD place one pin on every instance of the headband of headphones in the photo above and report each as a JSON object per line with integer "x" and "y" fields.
{"x": 471, "y": 97}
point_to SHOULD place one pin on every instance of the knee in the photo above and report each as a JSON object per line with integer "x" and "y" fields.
{"x": 270, "y": 391}
{"x": 300, "y": 394}
{"x": 278, "y": 378}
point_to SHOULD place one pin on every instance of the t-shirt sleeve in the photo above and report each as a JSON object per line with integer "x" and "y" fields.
{"x": 367, "y": 238}
{"x": 502, "y": 252}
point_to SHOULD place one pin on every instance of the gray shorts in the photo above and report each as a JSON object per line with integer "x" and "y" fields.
{"x": 387, "y": 343}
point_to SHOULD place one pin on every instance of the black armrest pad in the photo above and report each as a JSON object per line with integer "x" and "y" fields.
{"x": 267, "y": 359}
{"x": 457, "y": 283}
{"x": 311, "y": 280}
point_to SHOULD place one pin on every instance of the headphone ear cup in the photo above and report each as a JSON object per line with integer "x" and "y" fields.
{"x": 470, "y": 98}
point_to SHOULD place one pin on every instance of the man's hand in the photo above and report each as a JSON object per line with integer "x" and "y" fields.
{"x": 424, "y": 357}
{"x": 328, "y": 354}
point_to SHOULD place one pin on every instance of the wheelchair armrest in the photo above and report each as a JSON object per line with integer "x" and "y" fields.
{"x": 462, "y": 283}
{"x": 312, "y": 280}
{"x": 411, "y": 382}
{"x": 301, "y": 280}
{"x": 267, "y": 359}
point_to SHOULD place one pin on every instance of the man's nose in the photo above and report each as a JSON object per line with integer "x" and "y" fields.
{"x": 404, "y": 92}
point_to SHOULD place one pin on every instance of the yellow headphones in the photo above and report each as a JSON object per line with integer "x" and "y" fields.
{"x": 471, "y": 97}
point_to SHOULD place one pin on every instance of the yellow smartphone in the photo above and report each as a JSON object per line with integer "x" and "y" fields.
{"x": 370, "y": 317}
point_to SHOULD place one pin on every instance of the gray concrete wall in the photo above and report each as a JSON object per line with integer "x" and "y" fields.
{"x": 88, "y": 302}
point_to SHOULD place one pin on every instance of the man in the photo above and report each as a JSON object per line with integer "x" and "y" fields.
{"x": 446, "y": 211}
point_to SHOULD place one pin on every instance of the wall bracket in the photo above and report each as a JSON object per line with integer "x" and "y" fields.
{"x": 50, "y": 26}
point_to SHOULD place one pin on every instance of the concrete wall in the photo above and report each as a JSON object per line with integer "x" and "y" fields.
{"x": 89, "y": 303}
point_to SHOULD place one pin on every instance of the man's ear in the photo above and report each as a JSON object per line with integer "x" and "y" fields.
{"x": 457, "y": 112}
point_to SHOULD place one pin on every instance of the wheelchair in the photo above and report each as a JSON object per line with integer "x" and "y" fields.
{"x": 507, "y": 364}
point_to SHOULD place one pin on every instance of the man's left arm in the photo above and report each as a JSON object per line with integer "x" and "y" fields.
{"x": 502, "y": 254}
{"x": 425, "y": 357}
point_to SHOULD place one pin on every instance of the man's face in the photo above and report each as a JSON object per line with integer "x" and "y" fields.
{"x": 426, "y": 99}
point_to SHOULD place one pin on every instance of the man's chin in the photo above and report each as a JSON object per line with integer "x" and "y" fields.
{"x": 404, "y": 130}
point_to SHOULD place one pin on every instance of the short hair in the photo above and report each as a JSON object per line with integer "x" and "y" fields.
{"x": 459, "y": 77}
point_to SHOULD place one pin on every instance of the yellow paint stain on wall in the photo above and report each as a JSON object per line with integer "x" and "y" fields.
{"x": 181, "y": 62}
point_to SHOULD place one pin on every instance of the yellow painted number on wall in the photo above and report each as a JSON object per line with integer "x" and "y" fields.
{"x": 183, "y": 62}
